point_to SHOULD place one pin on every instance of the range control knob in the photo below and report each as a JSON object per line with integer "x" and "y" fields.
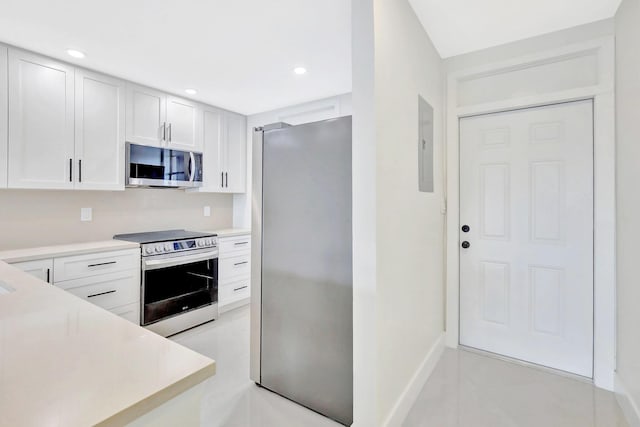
{"x": 209, "y": 242}
{"x": 201, "y": 243}
{"x": 168, "y": 247}
{"x": 159, "y": 248}
{"x": 149, "y": 250}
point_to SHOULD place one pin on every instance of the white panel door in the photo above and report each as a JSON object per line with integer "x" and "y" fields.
{"x": 99, "y": 124}
{"x": 146, "y": 116}
{"x": 4, "y": 105}
{"x": 184, "y": 131}
{"x": 236, "y": 153}
{"x": 40, "y": 122}
{"x": 526, "y": 194}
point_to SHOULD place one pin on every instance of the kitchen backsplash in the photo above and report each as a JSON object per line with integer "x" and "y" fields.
{"x": 31, "y": 218}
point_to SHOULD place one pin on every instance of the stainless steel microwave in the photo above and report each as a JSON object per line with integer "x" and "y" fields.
{"x": 162, "y": 167}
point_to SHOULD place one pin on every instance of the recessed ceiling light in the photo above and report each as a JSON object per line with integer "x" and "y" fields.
{"x": 300, "y": 70}
{"x": 191, "y": 91}
{"x": 76, "y": 53}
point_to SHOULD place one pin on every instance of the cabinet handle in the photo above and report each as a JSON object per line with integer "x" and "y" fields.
{"x": 80, "y": 170}
{"x": 169, "y": 132}
{"x": 240, "y": 263}
{"x": 70, "y": 170}
{"x": 222, "y": 178}
{"x": 240, "y": 288}
{"x": 241, "y": 243}
{"x": 48, "y": 275}
{"x": 101, "y": 293}
{"x": 226, "y": 176}
{"x": 164, "y": 131}
{"x": 101, "y": 263}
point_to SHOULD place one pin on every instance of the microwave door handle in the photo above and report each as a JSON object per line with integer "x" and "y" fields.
{"x": 178, "y": 260}
{"x": 192, "y": 167}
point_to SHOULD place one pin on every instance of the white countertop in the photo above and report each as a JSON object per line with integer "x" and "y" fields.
{"x": 230, "y": 232}
{"x": 66, "y": 362}
{"x": 31, "y": 254}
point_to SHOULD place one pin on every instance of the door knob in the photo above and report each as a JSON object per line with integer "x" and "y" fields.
{"x": 465, "y": 228}
{"x": 466, "y": 244}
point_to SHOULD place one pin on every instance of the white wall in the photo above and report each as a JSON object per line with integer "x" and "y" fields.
{"x": 323, "y": 109}
{"x": 410, "y": 224}
{"x": 533, "y": 45}
{"x": 44, "y": 217}
{"x": 628, "y": 196}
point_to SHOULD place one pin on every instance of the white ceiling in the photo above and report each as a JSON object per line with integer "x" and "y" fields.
{"x": 238, "y": 54}
{"x": 461, "y": 26}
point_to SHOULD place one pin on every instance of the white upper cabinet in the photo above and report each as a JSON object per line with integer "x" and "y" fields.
{"x": 184, "y": 124}
{"x": 225, "y": 152}
{"x": 99, "y": 125}
{"x": 4, "y": 105}
{"x": 41, "y": 146}
{"x": 146, "y": 116}
{"x": 236, "y": 153}
{"x": 157, "y": 119}
{"x": 213, "y": 134}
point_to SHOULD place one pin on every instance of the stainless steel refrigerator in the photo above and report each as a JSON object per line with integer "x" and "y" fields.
{"x": 301, "y": 304}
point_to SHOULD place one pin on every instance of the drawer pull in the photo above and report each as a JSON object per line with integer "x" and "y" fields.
{"x": 101, "y": 293}
{"x": 101, "y": 263}
{"x": 241, "y": 243}
{"x": 240, "y": 263}
{"x": 240, "y": 288}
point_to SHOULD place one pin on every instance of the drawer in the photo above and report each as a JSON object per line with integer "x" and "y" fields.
{"x": 231, "y": 245}
{"x": 131, "y": 312}
{"x": 234, "y": 266}
{"x": 107, "y": 291}
{"x": 79, "y": 266}
{"x": 235, "y": 291}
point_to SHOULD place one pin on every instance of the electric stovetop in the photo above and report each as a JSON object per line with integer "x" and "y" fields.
{"x": 162, "y": 236}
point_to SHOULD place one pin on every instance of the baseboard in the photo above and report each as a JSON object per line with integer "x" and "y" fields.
{"x": 410, "y": 394}
{"x": 629, "y": 406}
{"x": 233, "y": 305}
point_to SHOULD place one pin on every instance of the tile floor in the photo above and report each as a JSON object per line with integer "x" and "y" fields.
{"x": 465, "y": 390}
{"x": 469, "y": 389}
{"x": 231, "y": 398}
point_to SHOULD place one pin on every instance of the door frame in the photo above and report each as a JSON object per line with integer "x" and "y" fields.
{"x": 603, "y": 95}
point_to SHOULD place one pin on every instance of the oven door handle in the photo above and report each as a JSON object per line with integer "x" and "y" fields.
{"x": 155, "y": 264}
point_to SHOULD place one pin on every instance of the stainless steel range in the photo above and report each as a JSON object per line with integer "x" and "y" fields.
{"x": 179, "y": 280}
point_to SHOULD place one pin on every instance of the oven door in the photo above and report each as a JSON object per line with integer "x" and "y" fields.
{"x": 175, "y": 284}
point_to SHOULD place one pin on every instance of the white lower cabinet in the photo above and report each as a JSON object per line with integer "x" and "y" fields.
{"x": 131, "y": 312}
{"x": 41, "y": 268}
{"x": 110, "y": 280}
{"x": 235, "y": 291}
{"x": 107, "y": 291}
{"x": 234, "y": 273}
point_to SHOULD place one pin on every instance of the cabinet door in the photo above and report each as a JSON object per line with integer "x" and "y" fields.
{"x": 4, "y": 104}
{"x": 184, "y": 124}
{"x": 40, "y": 122}
{"x": 236, "y": 153}
{"x": 146, "y": 116}
{"x": 99, "y": 124}
{"x": 213, "y": 133}
{"x": 42, "y": 268}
